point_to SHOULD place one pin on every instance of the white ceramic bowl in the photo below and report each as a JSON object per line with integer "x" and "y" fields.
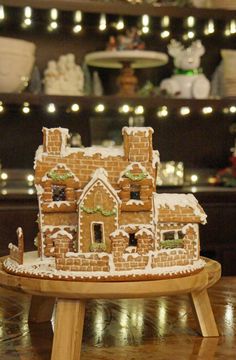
{"x": 16, "y": 63}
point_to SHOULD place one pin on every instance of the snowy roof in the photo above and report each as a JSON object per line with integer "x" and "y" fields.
{"x": 183, "y": 200}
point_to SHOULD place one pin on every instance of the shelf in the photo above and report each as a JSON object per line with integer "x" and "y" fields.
{"x": 86, "y": 102}
{"x": 122, "y": 8}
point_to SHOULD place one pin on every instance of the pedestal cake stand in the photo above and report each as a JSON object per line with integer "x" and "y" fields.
{"x": 127, "y": 61}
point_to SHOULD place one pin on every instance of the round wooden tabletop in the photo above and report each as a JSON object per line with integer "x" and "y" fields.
{"x": 137, "y": 58}
{"x": 111, "y": 290}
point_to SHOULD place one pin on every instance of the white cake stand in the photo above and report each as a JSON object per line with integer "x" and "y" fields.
{"x": 126, "y": 60}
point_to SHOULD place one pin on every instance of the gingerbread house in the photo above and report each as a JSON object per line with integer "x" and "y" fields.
{"x": 100, "y": 214}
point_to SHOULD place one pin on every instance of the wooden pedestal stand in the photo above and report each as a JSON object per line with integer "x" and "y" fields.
{"x": 71, "y": 298}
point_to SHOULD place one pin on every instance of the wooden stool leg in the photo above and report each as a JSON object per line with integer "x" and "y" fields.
{"x": 41, "y": 309}
{"x": 203, "y": 313}
{"x": 68, "y": 330}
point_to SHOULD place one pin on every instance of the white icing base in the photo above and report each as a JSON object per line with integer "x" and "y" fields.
{"x": 35, "y": 267}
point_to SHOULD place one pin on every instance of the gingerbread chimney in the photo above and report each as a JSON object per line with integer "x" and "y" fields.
{"x": 55, "y": 140}
{"x": 138, "y": 143}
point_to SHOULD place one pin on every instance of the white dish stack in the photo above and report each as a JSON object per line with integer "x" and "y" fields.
{"x": 17, "y": 58}
{"x": 229, "y": 73}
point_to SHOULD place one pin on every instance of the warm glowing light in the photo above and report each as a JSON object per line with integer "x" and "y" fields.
{"x": 51, "y": 108}
{"x": 77, "y": 20}
{"x": 190, "y": 21}
{"x": 120, "y": 24}
{"x": 27, "y": 12}
{"x": 54, "y": 14}
{"x": 184, "y": 110}
{"x": 30, "y": 177}
{"x": 145, "y": 29}
{"x": 77, "y": 16}
{"x": 232, "y": 27}
{"x": 139, "y": 110}
{"x": 4, "y": 192}
{"x": 207, "y": 110}
{"x": 165, "y": 34}
{"x": 145, "y": 20}
{"x": 1, "y": 107}
{"x": 2, "y": 13}
{"x": 99, "y": 108}
{"x": 125, "y": 109}
{"x": 165, "y": 22}
{"x": 227, "y": 31}
{"x": 162, "y": 112}
{"x": 102, "y": 22}
{"x": 77, "y": 28}
{"x": 209, "y": 27}
{"x": 52, "y": 26}
{"x": 190, "y": 34}
{"x": 30, "y": 191}
{"x": 232, "y": 109}
{"x": 194, "y": 178}
{"x": 75, "y": 107}
{"x": 26, "y": 108}
{"x": 4, "y": 176}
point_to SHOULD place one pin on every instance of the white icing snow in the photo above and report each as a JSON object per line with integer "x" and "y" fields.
{"x": 144, "y": 231}
{"x": 155, "y": 158}
{"x": 46, "y": 267}
{"x": 19, "y": 231}
{"x": 93, "y": 150}
{"x": 39, "y": 189}
{"x": 183, "y": 200}
{"x": 137, "y": 226}
{"x": 134, "y": 202}
{"x": 12, "y": 247}
{"x": 38, "y": 155}
{"x": 53, "y": 204}
{"x": 119, "y": 232}
{"x": 134, "y": 130}
{"x": 100, "y": 174}
{"x": 61, "y": 227}
{"x": 63, "y": 233}
{"x": 132, "y": 255}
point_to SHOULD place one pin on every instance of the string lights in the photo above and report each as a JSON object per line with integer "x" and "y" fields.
{"x": 120, "y": 25}
{"x": 26, "y": 108}
{"x": 53, "y": 20}
{"x": 165, "y": 24}
{"x": 145, "y": 24}
{"x": 161, "y": 111}
{"x": 102, "y": 22}
{"x": 27, "y": 17}
{"x": 75, "y": 107}
{"x": 99, "y": 108}
{"x": 77, "y": 22}
{"x": 209, "y": 28}
{"x": 2, "y": 13}
{"x": 51, "y": 108}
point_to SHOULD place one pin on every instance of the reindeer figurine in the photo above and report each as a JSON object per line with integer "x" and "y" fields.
{"x": 187, "y": 81}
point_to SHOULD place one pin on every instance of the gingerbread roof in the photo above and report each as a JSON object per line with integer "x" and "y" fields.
{"x": 181, "y": 208}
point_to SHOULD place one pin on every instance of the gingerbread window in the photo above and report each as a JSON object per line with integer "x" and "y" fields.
{"x": 98, "y": 233}
{"x": 58, "y": 193}
{"x": 132, "y": 239}
{"x": 135, "y": 191}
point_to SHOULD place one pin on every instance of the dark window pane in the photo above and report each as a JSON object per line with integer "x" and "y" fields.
{"x": 132, "y": 240}
{"x": 58, "y": 193}
{"x": 97, "y": 228}
{"x": 169, "y": 235}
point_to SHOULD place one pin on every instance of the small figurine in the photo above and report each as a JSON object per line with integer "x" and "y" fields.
{"x": 188, "y": 80}
{"x": 64, "y": 77}
{"x": 129, "y": 41}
